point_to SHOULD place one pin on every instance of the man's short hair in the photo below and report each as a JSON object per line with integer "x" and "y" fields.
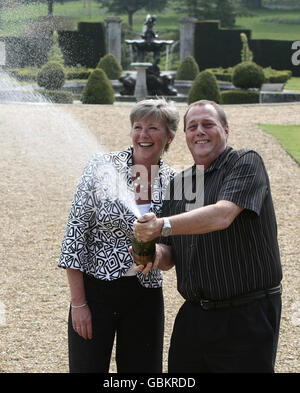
{"x": 218, "y": 108}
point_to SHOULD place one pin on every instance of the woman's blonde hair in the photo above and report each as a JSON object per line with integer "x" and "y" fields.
{"x": 160, "y": 109}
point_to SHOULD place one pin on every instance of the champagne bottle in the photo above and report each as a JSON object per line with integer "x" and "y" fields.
{"x": 143, "y": 252}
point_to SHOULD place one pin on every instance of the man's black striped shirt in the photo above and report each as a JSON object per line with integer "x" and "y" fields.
{"x": 242, "y": 258}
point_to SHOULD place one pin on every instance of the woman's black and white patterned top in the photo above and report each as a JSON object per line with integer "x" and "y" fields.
{"x": 99, "y": 227}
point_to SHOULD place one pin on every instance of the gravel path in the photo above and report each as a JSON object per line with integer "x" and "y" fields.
{"x": 43, "y": 149}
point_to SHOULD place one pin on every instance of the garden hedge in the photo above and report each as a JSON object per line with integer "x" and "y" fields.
{"x": 57, "y": 96}
{"x": 271, "y": 75}
{"x": 218, "y": 47}
{"x": 240, "y": 97}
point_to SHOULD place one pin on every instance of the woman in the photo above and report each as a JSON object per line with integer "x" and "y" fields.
{"x": 108, "y": 296}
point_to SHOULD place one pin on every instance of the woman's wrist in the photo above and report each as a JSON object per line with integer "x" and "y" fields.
{"x": 74, "y": 305}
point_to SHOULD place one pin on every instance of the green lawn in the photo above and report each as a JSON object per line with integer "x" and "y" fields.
{"x": 293, "y": 84}
{"x": 272, "y": 24}
{"x": 267, "y": 24}
{"x": 287, "y": 136}
{"x": 15, "y": 18}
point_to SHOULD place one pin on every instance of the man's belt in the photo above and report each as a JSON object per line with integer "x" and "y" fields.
{"x": 238, "y": 301}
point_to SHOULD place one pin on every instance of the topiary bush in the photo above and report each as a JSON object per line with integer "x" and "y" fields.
{"x": 98, "y": 89}
{"x": 205, "y": 86}
{"x": 240, "y": 97}
{"x": 110, "y": 65}
{"x": 55, "y": 53}
{"x": 248, "y": 75}
{"x": 51, "y": 76}
{"x": 246, "y": 53}
{"x": 188, "y": 69}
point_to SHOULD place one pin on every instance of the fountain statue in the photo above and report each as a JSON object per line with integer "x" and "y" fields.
{"x": 156, "y": 83}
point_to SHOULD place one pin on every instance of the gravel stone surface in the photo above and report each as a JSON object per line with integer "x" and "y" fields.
{"x": 43, "y": 149}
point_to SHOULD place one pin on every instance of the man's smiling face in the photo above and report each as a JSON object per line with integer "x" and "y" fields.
{"x": 206, "y": 137}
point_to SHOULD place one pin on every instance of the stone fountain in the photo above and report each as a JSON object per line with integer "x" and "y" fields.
{"x": 148, "y": 81}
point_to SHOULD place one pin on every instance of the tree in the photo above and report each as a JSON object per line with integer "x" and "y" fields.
{"x": 50, "y": 6}
{"x": 253, "y": 3}
{"x": 200, "y": 9}
{"x": 224, "y": 10}
{"x": 129, "y": 7}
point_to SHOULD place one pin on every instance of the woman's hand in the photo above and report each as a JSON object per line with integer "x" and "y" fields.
{"x": 81, "y": 316}
{"x": 82, "y": 321}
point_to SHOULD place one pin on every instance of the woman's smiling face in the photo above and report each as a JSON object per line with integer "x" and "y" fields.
{"x": 149, "y": 138}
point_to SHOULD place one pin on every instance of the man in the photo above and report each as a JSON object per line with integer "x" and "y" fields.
{"x": 226, "y": 256}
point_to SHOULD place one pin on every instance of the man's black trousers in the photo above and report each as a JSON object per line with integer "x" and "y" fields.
{"x": 226, "y": 340}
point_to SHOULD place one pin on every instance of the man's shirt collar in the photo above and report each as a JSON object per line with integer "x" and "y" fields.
{"x": 220, "y": 161}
